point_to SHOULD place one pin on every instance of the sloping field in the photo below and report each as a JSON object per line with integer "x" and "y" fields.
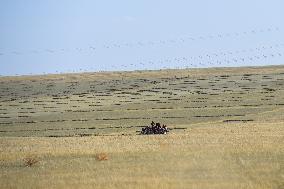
{"x": 227, "y": 129}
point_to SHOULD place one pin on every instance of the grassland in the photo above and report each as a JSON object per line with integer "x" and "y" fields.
{"x": 227, "y": 129}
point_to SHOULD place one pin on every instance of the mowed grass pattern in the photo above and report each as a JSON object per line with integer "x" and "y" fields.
{"x": 120, "y": 103}
{"x": 227, "y": 129}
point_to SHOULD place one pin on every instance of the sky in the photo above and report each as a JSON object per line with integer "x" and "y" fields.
{"x": 51, "y": 36}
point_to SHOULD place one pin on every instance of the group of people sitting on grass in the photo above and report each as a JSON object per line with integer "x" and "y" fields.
{"x": 155, "y": 128}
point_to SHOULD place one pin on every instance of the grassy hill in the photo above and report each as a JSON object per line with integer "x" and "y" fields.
{"x": 227, "y": 129}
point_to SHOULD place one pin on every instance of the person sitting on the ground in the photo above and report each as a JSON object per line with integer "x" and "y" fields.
{"x": 152, "y": 123}
{"x": 165, "y": 129}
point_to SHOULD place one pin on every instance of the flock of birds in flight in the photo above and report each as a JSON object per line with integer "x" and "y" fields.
{"x": 141, "y": 43}
{"x": 227, "y": 58}
{"x": 220, "y": 58}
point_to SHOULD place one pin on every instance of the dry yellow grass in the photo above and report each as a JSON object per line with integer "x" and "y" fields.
{"x": 209, "y": 156}
{"x": 30, "y": 161}
{"x": 102, "y": 157}
{"x": 228, "y": 135}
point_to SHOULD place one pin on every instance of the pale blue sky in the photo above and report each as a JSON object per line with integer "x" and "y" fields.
{"x": 52, "y": 36}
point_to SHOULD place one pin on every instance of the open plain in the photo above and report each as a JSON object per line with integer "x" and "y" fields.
{"x": 226, "y": 129}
